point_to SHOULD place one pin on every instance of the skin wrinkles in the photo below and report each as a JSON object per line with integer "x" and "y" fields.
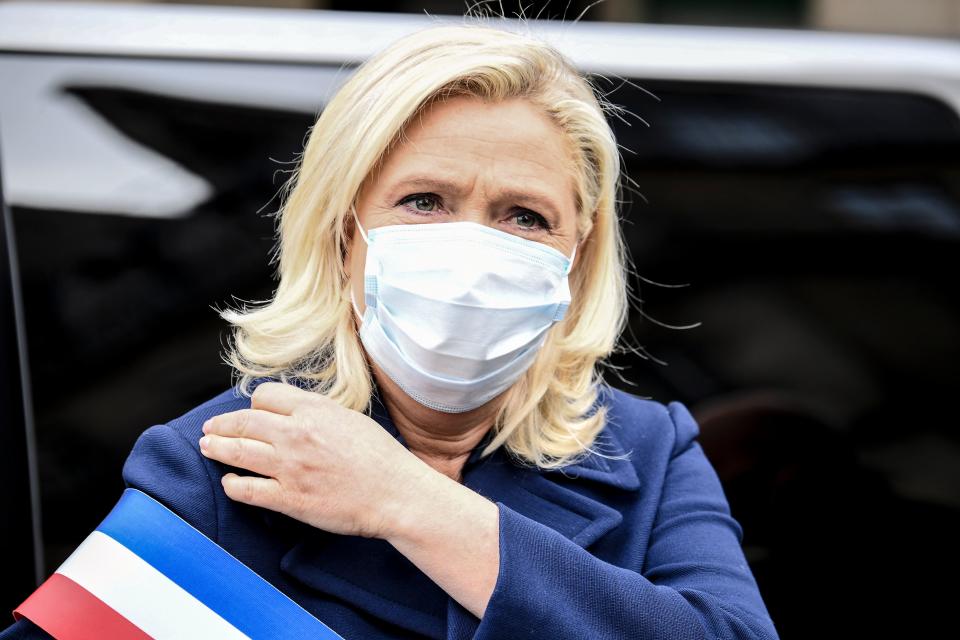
{"x": 491, "y": 158}
{"x": 484, "y": 150}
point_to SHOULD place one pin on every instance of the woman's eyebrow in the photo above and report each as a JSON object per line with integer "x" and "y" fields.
{"x": 427, "y": 182}
{"x": 525, "y": 196}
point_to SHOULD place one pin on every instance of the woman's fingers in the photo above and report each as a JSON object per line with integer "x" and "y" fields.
{"x": 260, "y": 492}
{"x": 280, "y": 397}
{"x": 245, "y": 453}
{"x": 255, "y": 424}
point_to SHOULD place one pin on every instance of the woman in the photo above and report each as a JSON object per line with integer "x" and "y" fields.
{"x": 419, "y": 443}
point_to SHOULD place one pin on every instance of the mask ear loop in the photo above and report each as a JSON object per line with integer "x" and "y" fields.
{"x": 353, "y": 300}
{"x": 356, "y": 309}
{"x": 572, "y": 257}
{"x": 359, "y": 226}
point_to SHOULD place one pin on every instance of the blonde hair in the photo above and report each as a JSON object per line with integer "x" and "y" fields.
{"x": 306, "y": 333}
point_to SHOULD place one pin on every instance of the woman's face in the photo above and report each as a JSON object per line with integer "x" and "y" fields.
{"x": 505, "y": 165}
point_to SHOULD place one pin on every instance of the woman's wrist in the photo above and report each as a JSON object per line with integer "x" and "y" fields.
{"x": 452, "y": 534}
{"x": 416, "y": 505}
{"x": 407, "y": 503}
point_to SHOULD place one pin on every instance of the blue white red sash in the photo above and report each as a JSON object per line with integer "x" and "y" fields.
{"x": 147, "y": 573}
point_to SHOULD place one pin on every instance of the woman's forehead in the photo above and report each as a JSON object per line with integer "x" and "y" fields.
{"x": 511, "y": 144}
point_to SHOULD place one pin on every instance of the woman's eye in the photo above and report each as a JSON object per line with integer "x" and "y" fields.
{"x": 421, "y": 202}
{"x": 530, "y": 220}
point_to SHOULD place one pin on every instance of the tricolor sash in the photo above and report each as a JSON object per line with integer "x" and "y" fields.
{"x": 147, "y": 573}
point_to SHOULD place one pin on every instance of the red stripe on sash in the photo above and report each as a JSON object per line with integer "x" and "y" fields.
{"x": 67, "y": 611}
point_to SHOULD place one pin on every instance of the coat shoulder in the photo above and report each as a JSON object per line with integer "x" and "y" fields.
{"x": 642, "y": 424}
{"x": 166, "y": 463}
{"x": 190, "y": 424}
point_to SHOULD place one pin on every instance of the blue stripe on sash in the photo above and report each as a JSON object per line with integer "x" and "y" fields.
{"x": 208, "y": 572}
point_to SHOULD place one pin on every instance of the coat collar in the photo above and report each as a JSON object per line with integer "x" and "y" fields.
{"x": 371, "y": 575}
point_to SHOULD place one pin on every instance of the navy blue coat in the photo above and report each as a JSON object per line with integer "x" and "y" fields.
{"x": 644, "y": 547}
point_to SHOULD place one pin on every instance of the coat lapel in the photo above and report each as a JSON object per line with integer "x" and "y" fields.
{"x": 560, "y": 499}
{"x": 369, "y": 575}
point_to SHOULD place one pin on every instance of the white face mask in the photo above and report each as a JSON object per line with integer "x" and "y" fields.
{"x": 457, "y": 311}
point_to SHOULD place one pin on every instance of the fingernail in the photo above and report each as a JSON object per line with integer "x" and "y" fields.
{"x": 206, "y": 426}
{"x": 203, "y": 442}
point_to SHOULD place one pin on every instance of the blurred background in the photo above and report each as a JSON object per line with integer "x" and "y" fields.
{"x": 793, "y": 198}
{"x": 915, "y": 17}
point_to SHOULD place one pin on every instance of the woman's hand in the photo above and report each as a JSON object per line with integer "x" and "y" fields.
{"x": 331, "y": 467}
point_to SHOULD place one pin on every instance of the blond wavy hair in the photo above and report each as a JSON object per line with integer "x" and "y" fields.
{"x": 306, "y": 334}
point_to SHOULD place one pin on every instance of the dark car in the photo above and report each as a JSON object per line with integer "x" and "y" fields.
{"x": 792, "y": 209}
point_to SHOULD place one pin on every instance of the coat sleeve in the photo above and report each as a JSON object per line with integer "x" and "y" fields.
{"x": 167, "y": 466}
{"x": 695, "y": 582}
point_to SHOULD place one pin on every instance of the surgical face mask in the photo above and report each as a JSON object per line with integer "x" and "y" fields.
{"x": 457, "y": 311}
